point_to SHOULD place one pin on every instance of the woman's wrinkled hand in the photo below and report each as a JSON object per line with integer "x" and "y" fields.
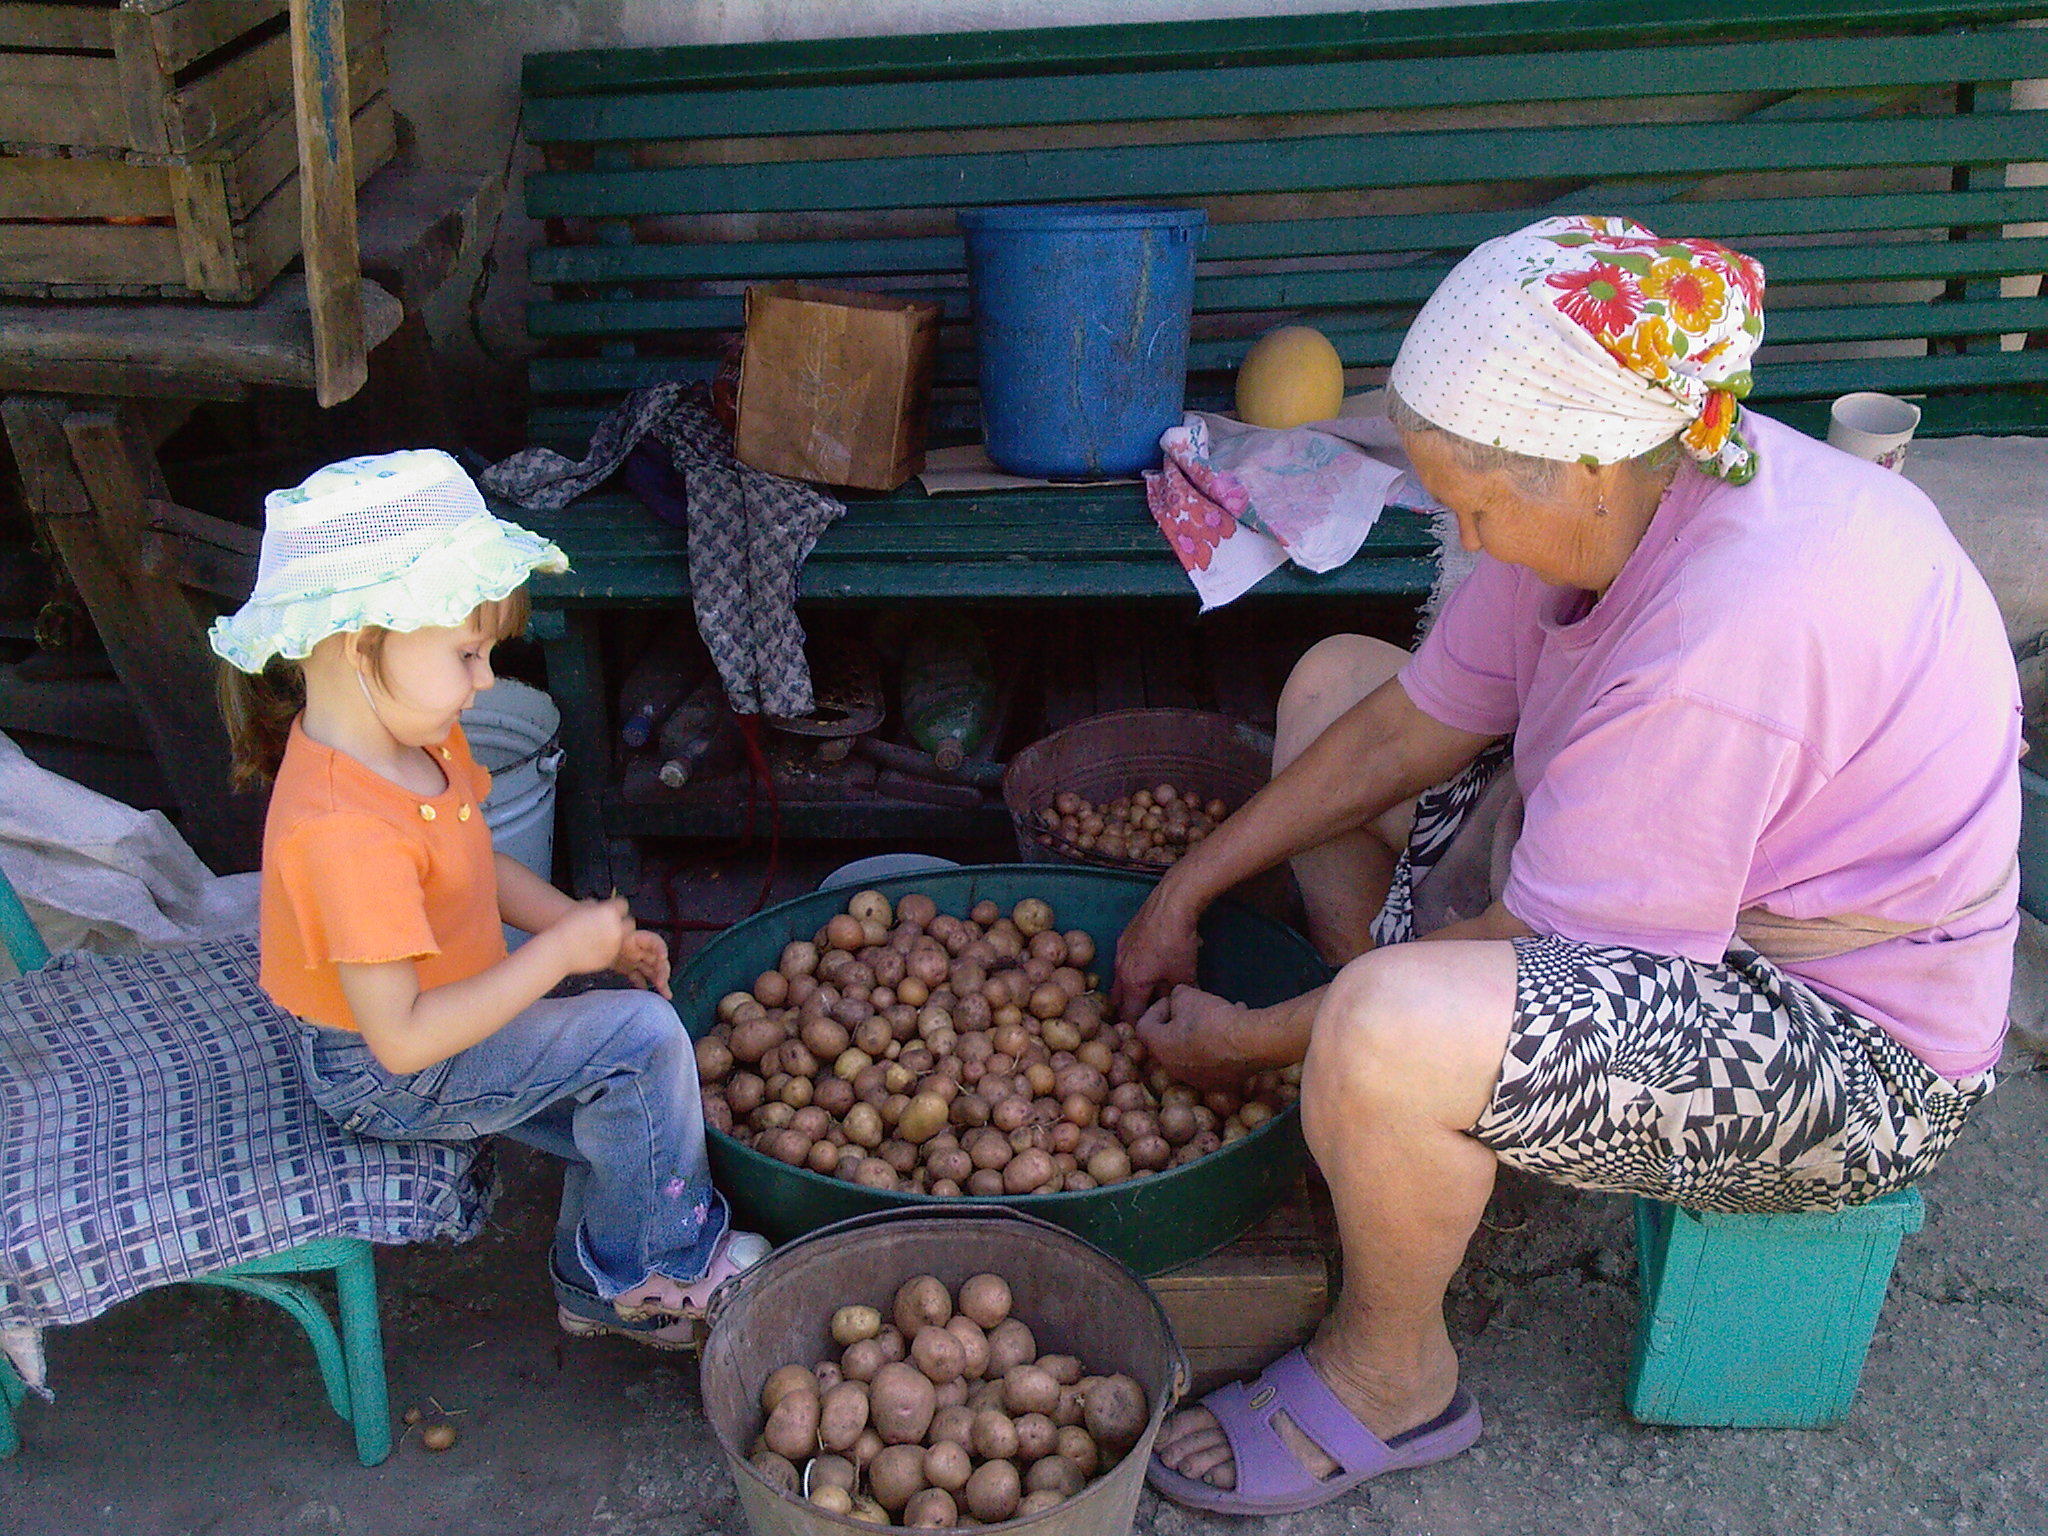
{"x": 1154, "y": 954}
{"x": 1192, "y": 1034}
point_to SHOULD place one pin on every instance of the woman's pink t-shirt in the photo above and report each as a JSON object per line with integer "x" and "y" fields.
{"x": 1797, "y": 695}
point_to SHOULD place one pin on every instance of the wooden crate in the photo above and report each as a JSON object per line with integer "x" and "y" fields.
{"x": 1243, "y": 1306}
{"x": 158, "y": 77}
{"x": 87, "y": 220}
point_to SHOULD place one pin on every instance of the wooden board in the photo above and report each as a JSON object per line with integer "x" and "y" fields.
{"x": 55, "y": 26}
{"x": 1243, "y": 1306}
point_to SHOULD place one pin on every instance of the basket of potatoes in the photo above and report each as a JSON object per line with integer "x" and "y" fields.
{"x": 1134, "y": 789}
{"x": 945, "y": 1037}
{"x": 939, "y": 1370}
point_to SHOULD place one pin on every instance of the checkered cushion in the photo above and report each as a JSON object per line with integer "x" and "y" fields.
{"x": 154, "y": 1126}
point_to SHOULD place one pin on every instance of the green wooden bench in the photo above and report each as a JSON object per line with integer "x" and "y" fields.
{"x": 1858, "y": 147}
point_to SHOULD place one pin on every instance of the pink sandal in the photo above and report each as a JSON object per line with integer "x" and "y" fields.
{"x": 660, "y": 1296}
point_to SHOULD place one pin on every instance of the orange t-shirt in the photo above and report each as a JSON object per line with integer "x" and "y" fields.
{"x": 358, "y": 869}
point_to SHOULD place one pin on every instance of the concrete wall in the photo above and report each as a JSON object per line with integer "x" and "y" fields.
{"x": 455, "y": 80}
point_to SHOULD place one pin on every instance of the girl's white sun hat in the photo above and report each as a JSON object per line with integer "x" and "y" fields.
{"x": 400, "y": 540}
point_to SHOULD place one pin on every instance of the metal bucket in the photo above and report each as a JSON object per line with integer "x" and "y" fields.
{"x": 1078, "y": 1300}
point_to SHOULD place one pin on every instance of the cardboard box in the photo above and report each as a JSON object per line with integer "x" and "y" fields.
{"x": 836, "y": 386}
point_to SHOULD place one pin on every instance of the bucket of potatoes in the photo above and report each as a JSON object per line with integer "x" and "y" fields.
{"x": 939, "y": 1370}
{"x": 945, "y": 1038}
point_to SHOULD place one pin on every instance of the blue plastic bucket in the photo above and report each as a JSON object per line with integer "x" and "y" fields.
{"x": 1081, "y": 326}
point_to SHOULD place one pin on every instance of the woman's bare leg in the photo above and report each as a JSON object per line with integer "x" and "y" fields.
{"x": 1343, "y": 883}
{"x": 1405, "y": 1055}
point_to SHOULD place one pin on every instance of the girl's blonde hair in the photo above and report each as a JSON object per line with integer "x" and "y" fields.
{"x": 259, "y": 707}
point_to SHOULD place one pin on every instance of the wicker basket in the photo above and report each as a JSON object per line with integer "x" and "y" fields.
{"x": 1120, "y": 753}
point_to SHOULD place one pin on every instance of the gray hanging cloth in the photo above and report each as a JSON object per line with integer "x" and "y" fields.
{"x": 749, "y": 534}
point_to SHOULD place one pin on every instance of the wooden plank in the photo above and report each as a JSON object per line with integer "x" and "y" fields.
{"x": 86, "y": 112}
{"x": 206, "y": 231}
{"x": 77, "y": 708}
{"x": 1272, "y": 90}
{"x": 327, "y": 192}
{"x": 248, "y": 86}
{"x": 184, "y": 34}
{"x": 90, "y": 253}
{"x": 1902, "y": 375}
{"x": 139, "y": 381}
{"x": 1430, "y": 32}
{"x": 269, "y": 238}
{"x": 272, "y": 152}
{"x": 56, "y": 26}
{"x": 1394, "y": 233}
{"x": 35, "y": 188}
{"x": 265, "y": 343}
{"x": 1319, "y": 163}
{"x": 143, "y": 83}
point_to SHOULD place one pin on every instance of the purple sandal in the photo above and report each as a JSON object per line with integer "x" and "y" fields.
{"x": 1270, "y": 1481}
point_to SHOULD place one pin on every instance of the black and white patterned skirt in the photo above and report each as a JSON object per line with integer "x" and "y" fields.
{"x": 1725, "y": 1087}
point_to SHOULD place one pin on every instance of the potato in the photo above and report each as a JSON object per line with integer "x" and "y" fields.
{"x": 947, "y": 1394}
{"x": 714, "y": 1059}
{"x": 1074, "y": 1444}
{"x": 829, "y": 1376}
{"x": 1010, "y": 1343}
{"x": 897, "y": 1474}
{"x": 837, "y": 1500}
{"x": 784, "y": 1380}
{"x": 992, "y": 1492}
{"x": 1055, "y": 1473}
{"x": 995, "y": 1435}
{"x": 923, "y": 1118}
{"x": 938, "y": 1354}
{"x": 779, "y": 1471}
{"x": 1025, "y": 1172}
{"x": 931, "y": 1509}
{"x": 1032, "y": 917}
{"x": 798, "y": 959}
{"x": 756, "y": 1038}
{"x": 744, "y": 1092}
{"x": 947, "y": 1465}
{"x": 921, "y": 1301}
{"x": 793, "y": 1427}
{"x": 867, "y": 1447}
{"x": 900, "y": 1403}
{"x": 989, "y": 1394}
{"x": 851, "y": 1324}
{"x": 832, "y": 1472}
{"x": 955, "y": 1424}
{"x": 973, "y": 1346}
{"x": 985, "y": 1299}
{"x": 1115, "y": 1413}
{"x": 867, "y": 1511}
{"x": 845, "y": 932}
{"x": 842, "y": 1415}
{"x": 863, "y": 1359}
{"x": 1038, "y": 1501}
{"x": 1037, "y": 1436}
{"x": 731, "y": 1005}
{"x": 1027, "y": 1389}
{"x": 891, "y": 1339}
{"x": 1064, "y": 1369}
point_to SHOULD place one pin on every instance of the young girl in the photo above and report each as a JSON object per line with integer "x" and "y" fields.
{"x": 383, "y": 584}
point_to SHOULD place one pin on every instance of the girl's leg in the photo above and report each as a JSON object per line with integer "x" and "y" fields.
{"x": 607, "y": 1079}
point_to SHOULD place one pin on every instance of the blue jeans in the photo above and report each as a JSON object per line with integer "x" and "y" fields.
{"x": 606, "y": 1081}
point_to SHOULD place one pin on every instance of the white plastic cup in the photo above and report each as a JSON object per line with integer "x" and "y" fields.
{"x": 1873, "y": 426}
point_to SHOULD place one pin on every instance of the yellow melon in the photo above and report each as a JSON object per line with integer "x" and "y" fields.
{"x": 1291, "y": 376}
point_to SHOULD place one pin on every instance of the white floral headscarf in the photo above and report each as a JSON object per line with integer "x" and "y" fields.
{"x": 1590, "y": 339}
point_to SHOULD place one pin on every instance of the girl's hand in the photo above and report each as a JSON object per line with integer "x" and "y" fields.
{"x": 591, "y": 935}
{"x": 644, "y": 959}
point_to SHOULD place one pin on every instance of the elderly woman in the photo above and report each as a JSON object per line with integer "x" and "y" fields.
{"x": 1714, "y": 848}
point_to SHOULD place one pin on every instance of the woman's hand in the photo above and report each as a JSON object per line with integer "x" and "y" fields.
{"x": 643, "y": 958}
{"x": 1153, "y": 955}
{"x": 1193, "y": 1034}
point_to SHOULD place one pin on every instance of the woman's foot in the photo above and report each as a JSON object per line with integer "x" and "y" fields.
{"x": 660, "y": 1296}
{"x": 1193, "y": 1443}
{"x": 678, "y": 1335}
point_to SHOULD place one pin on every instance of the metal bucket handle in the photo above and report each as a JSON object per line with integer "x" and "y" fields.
{"x": 1180, "y": 1375}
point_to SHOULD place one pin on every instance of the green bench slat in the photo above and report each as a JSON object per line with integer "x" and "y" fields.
{"x": 1353, "y": 86}
{"x": 1311, "y": 164}
{"x": 1904, "y": 375}
{"x": 1729, "y": 220}
{"x": 1210, "y": 44}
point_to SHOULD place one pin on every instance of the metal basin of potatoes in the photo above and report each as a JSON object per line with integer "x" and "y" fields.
{"x": 1152, "y": 1223}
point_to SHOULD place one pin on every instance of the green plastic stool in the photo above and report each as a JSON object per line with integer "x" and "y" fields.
{"x": 1760, "y": 1322}
{"x": 351, "y": 1361}
{"x": 351, "y": 1365}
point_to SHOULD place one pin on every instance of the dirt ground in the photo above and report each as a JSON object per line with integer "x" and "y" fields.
{"x": 193, "y": 1410}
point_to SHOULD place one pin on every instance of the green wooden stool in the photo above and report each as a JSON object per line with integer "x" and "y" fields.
{"x": 1760, "y": 1321}
{"x": 351, "y": 1363}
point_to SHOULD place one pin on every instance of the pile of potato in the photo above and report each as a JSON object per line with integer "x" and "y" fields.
{"x": 903, "y": 1049}
{"x": 942, "y": 1416}
{"x": 1153, "y": 826}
